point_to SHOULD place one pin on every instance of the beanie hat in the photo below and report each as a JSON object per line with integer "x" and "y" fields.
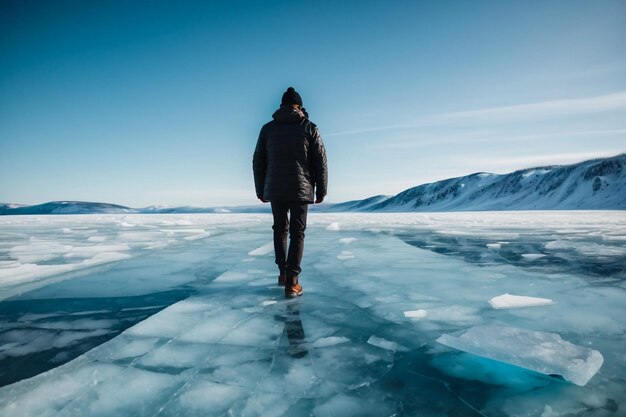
{"x": 291, "y": 97}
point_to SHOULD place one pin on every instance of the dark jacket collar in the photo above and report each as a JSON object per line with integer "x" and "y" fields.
{"x": 287, "y": 114}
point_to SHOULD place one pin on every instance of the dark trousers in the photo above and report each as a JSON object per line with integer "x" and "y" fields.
{"x": 295, "y": 224}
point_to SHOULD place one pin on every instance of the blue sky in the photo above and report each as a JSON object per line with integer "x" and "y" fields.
{"x": 141, "y": 103}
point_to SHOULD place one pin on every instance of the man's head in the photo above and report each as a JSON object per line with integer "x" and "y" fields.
{"x": 291, "y": 98}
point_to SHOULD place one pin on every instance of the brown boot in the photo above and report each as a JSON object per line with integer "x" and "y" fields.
{"x": 293, "y": 290}
{"x": 281, "y": 279}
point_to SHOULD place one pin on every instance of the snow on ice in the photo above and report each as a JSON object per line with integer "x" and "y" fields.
{"x": 263, "y": 250}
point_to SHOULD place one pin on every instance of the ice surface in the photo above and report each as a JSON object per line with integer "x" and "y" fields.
{"x": 20, "y": 272}
{"x": 263, "y": 250}
{"x": 80, "y": 242}
{"x": 546, "y": 353}
{"x": 207, "y": 398}
{"x": 517, "y": 301}
{"x": 192, "y": 322}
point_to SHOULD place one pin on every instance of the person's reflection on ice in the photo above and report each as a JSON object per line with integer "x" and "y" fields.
{"x": 295, "y": 331}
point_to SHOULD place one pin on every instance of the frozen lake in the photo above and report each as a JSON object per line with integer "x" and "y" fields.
{"x": 438, "y": 314}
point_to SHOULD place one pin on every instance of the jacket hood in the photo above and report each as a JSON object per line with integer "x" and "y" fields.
{"x": 288, "y": 114}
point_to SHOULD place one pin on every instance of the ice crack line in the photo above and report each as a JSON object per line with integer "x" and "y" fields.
{"x": 449, "y": 388}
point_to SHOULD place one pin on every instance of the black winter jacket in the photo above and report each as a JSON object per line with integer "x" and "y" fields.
{"x": 289, "y": 161}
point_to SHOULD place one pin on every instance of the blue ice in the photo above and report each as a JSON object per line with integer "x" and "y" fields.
{"x": 190, "y": 321}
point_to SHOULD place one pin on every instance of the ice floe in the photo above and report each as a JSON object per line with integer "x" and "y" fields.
{"x": 542, "y": 352}
{"x": 518, "y": 301}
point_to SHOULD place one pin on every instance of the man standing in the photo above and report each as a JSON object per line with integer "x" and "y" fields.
{"x": 290, "y": 171}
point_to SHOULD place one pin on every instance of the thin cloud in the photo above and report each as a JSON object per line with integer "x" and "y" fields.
{"x": 598, "y": 70}
{"x": 481, "y": 137}
{"x": 606, "y": 132}
{"x": 503, "y": 114}
{"x": 510, "y": 163}
{"x": 379, "y": 128}
{"x": 543, "y": 109}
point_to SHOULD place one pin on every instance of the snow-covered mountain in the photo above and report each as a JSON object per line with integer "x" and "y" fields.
{"x": 594, "y": 184}
{"x": 353, "y": 205}
{"x": 598, "y": 184}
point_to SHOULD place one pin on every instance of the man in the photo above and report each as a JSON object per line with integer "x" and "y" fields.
{"x": 290, "y": 171}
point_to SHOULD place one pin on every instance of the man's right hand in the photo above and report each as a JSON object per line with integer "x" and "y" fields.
{"x": 319, "y": 200}
{"x": 263, "y": 200}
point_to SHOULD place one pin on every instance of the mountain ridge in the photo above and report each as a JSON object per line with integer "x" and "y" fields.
{"x": 595, "y": 184}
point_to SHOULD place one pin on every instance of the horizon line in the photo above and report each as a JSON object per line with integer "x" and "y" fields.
{"x": 594, "y": 158}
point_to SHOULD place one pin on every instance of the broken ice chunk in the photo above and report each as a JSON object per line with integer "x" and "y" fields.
{"x": 517, "y": 301}
{"x": 345, "y": 255}
{"x": 333, "y": 226}
{"x": 347, "y": 240}
{"x": 382, "y": 343}
{"x": 416, "y": 314}
{"x": 532, "y": 256}
{"x": 541, "y": 352}
{"x": 330, "y": 341}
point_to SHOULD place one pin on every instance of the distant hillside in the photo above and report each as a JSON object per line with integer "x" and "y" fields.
{"x": 354, "y": 205}
{"x": 598, "y": 184}
{"x": 64, "y": 207}
{"x": 594, "y": 184}
{"x": 180, "y": 209}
